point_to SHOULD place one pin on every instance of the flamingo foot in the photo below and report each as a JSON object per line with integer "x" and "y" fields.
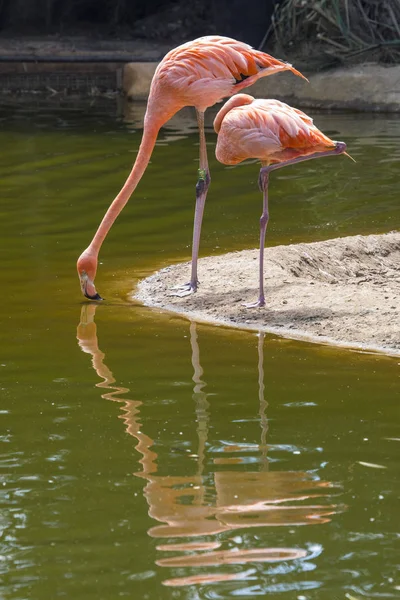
{"x": 184, "y": 289}
{"x": 258, "y": 304}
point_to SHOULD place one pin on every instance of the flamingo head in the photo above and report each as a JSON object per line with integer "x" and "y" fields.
{"x": 87, "y": 267}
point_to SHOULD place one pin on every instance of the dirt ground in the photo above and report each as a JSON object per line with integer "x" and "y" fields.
{"x": 344, "y": 291}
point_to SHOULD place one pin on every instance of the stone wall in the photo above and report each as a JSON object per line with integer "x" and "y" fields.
{"x": 367, "y": 87}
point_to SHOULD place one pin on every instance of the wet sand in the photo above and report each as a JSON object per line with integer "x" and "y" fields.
{"x": 344, "y": 291}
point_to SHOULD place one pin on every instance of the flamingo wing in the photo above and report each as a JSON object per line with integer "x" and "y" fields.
{"x": 295, "y": 129}
{"x": 204, "y": 71}
{"x": 246, "y": 132}
{"x": 268, "y": 130}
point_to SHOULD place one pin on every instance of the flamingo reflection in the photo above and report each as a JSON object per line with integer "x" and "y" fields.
{"x": 200, "y": 506}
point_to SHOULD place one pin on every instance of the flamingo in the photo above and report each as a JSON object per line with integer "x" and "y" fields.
{"x": 198, "y": 73}
{"x": 276, "y": 134}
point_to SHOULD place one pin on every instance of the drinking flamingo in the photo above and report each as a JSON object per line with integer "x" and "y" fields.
{"x": 198, "y": 73}
{"x": 277, "y": 135}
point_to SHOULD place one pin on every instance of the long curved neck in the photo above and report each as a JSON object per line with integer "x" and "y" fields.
{"x": 237, "y": 100}
{"x": 150, "y": 133}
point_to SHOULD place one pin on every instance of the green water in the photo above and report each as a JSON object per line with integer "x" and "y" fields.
{"x": 148, "y": 457}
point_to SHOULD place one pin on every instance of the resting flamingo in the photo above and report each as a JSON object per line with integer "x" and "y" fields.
{"x": 198, "y": 73}
{"x": 276, "y": 134}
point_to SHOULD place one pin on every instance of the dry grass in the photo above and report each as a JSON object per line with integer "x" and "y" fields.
{"x": 332, "y": 31}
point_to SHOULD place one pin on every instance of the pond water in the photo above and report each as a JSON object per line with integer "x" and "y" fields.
{"x": 146, "y": 456}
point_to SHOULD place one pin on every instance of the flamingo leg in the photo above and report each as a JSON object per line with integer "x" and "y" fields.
{"x": 263, "y": 181}
{"x": 263, "y": 184}
{"x": 202, "y": 186}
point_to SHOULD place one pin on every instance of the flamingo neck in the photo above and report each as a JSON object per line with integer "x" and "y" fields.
{"x": 234, "y": 102}
{"x": 149, "y": 138}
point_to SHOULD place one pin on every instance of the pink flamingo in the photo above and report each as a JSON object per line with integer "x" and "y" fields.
{"x": 276, "y": 134}
{"x": 198, "y": 73}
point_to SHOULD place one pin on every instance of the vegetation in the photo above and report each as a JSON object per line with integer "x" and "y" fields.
{"x": 325, "y": 32}
{"x": 318, "y": 32}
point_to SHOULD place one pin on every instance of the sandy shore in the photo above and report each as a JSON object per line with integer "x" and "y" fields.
{"x": 344, "y": 291}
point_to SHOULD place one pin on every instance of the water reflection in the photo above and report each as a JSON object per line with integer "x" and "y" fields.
{"x": 204, "y": 507}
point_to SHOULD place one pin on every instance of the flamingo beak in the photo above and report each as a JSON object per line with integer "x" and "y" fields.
{"x": 88, "y": 287}
{"x": 340, "y": 148}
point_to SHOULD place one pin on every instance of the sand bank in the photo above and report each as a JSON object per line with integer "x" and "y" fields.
{"x": 344, "y": 291}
